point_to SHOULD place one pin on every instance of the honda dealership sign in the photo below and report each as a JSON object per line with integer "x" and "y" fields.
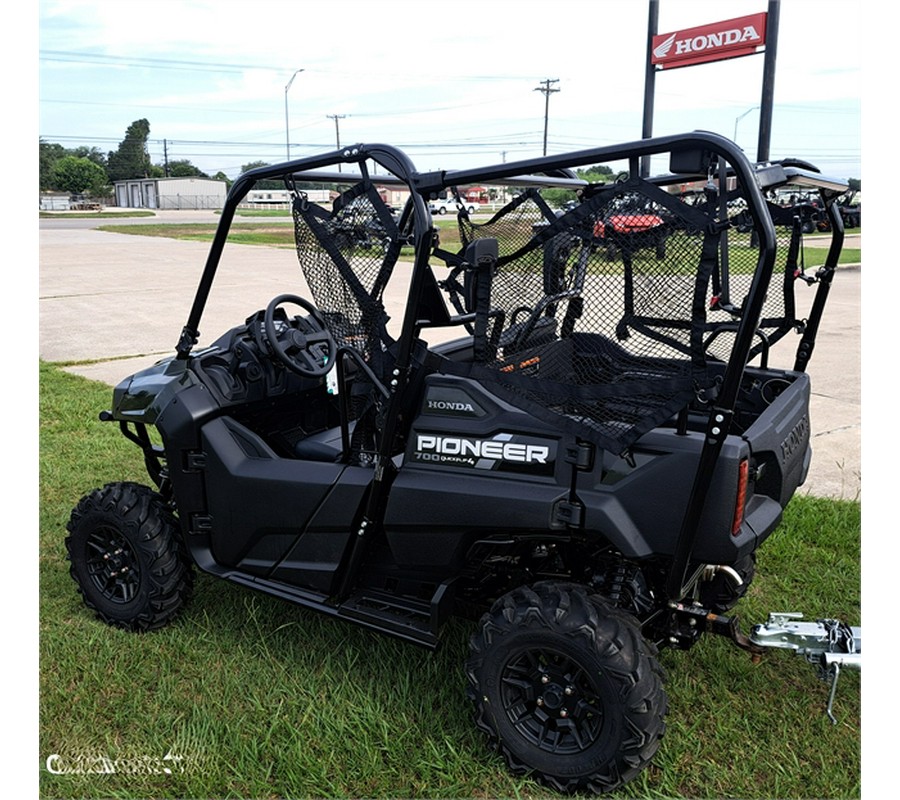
{"x": 743, "y": 36}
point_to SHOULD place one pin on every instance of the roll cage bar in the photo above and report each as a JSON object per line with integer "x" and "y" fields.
{"x": 690, "y": 158}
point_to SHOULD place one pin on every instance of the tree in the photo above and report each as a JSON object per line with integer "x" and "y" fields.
{"x": 221, "y": 176}
{"x": 49, "y": 154}
{"x": 262, "y": 184}
{"x": 62, "y": 177}
{"x": 185, "y": 169}
{"x": 557, "y": 198}
{"x": 599, "y": 173}
{"x": 77, "y": 175}
{"x": 90, "y": 153}
{"x": 131, "y": 160}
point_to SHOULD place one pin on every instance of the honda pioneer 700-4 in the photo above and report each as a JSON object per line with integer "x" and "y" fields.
{"x": 580, "y": 450}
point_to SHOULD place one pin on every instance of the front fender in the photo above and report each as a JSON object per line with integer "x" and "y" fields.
{"x": 142, "y": 397}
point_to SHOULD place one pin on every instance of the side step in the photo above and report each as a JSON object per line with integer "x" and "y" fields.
{"x": 413, "y": 620}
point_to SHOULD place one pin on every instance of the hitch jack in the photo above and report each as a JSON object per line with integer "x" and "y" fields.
{"x": 829, "y": 644}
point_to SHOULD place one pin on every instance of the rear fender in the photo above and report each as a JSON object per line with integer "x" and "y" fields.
{"x": 780, "y": 438}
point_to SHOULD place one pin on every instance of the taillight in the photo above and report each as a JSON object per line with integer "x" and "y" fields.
{"x": 741, "y": 499}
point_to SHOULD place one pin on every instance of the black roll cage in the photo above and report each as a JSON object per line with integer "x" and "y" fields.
{"x": 690, "y": 156}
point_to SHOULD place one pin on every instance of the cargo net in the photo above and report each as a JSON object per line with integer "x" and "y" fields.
{"x": 609, "y": 319}
{"x": 732, "y": 279}
{"x": 347, "y": 255}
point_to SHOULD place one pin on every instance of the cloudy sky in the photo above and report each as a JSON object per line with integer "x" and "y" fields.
{"x": 453, "y": 82}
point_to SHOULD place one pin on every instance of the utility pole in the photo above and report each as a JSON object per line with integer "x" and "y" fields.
{"x": 545, "y": 89}
{"x": 337, "y": 131}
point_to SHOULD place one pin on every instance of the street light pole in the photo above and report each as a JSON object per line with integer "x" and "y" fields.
{"x": 738, "y": 119}
{"x": 287, "y": 128}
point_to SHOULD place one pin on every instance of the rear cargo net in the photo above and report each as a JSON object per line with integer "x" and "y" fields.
{"x": 610, "y": 318}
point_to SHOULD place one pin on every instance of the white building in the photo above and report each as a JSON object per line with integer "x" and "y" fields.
{"x": 170, "y": 193}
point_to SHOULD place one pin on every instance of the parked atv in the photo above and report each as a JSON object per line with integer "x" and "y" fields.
{"x": 358, "y": 228}
{"x": 582, "y": 454}
{"x": 631, "y": 230}
{"x": 851, "y": 213}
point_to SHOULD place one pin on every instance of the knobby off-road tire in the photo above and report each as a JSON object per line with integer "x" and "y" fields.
{"x": 566, "y": 688}
{"x": 127, "y": 557}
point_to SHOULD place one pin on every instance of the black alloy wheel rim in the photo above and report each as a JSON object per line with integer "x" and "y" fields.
{"x": 551, "y": 701}
{"x": 112, "y": 565}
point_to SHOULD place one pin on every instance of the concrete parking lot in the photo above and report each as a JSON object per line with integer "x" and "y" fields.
{"x": 118, "y": 303}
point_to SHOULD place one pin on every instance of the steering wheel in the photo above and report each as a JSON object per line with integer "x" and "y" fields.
{"x": 304, "y": 345}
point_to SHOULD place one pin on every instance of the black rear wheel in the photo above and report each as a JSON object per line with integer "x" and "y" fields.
{"x": 566, "y": 688}
{"x": 126, "y": 556}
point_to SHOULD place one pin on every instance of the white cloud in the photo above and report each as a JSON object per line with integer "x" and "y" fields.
{"x": 471, "y": 67}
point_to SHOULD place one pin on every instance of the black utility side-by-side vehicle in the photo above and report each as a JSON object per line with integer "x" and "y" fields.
{"x": 583, "y": 451}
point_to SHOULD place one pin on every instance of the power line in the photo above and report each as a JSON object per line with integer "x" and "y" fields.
{"x": 101, "y": 59}
{"x": 142, "y": 105}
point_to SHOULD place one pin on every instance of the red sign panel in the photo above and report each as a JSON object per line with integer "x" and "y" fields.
{"x": 732, "y": 38}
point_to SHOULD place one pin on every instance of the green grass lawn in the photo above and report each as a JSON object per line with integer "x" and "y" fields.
{"x": 281, "y": 233}
{"x": 251, "y": 697}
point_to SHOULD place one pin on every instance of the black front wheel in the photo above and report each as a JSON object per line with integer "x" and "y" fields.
{"x": 127, "y": 557}
{"x": 566, "y": 688}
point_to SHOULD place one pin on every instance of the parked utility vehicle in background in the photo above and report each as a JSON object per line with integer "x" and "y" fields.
{"x": 631, "y": 229}
{"x": 584, "y": 454}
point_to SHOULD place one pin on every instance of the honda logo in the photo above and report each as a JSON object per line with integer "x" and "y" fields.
{"x": 729, "y": 39}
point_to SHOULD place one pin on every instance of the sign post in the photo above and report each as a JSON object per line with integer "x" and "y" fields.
{"x": 704, "y": 44}
{"x": 768, "y": 91}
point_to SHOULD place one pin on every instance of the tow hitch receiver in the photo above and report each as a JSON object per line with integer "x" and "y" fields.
{"x": 829, "y": 644}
